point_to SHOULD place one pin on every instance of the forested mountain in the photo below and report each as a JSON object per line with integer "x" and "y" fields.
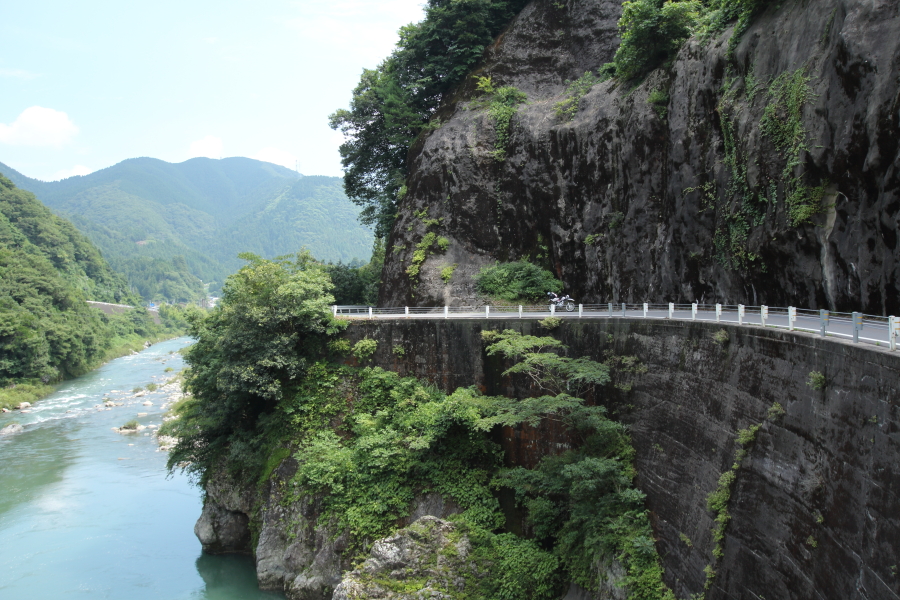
{"x": 48, "y": 270}
{"x": 168, "y": 226}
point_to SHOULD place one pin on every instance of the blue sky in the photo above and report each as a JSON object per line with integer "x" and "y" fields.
{"x": 84, "y": 85}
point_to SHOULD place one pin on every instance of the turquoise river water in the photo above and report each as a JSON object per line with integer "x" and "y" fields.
{"x": 86, "y": 512}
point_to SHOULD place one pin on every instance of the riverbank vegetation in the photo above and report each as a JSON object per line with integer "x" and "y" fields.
{"x": 48, "y": 332}
{"x": 268, "y": 382}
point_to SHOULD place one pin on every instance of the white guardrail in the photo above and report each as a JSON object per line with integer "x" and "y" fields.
{"x": 879, "y": 331}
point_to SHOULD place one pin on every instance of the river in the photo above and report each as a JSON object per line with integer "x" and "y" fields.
{"x": 86, "y": 512}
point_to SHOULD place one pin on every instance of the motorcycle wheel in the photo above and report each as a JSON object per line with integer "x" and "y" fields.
{"x": 570, "y": 306}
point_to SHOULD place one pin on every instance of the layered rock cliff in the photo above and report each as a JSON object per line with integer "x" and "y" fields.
{"x": 702, "y": 194}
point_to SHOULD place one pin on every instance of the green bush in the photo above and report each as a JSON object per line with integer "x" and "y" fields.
{"x": 152, "y": 387}
{"x": 132, "y": 424}
{"x": 341, "y": 347}
{"x": 516, "y": 281}
{"x": 816, "y": 380}
{"x": 364, "y": 349}
{"x": 137, "y": 389}
{"x": 447, "y": 272}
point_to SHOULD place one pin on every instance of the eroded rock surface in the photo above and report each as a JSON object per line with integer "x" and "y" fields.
{"x": 682, "y": 200}
{"x": 424, "y": 560}
{"x": 298, "y": 551}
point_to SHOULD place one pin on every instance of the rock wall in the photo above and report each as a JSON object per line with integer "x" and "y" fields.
{"x": 683, "y": 200}
{"x": 296, "y": 551}
{"x": 815, "y": 507}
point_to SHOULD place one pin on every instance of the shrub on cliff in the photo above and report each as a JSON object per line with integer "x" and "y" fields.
{"x": 516, "y": 281}
{"x": 652, "y": 31}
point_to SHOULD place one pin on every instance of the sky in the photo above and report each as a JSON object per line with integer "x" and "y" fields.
{"x": 85, "y": 85}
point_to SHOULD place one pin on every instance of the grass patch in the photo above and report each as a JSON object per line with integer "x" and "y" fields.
{"x": 131, "y": 425}
{"x": 14, "y": 394}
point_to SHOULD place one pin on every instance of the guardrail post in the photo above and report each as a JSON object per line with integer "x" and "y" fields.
{"x": 446, "y": 312}
{"x": 893, "y": 331}
{"x": 370, "y": 312}
{"x": 823, "y": 321}
{"x": 671, "y": 310}
{"x": 741, "y": 310}
{"x": 693, "y": 311}
{"x": 334, "y": 310}
{"x": 718, "y": 313}
{"x": 487, "y": 311}
{"x": 623, "y": 309}
{"x": 857, "y": 326}
{"x": 763, "y": 314}
{"x": 520, "y": 311}
{"x": 792, "y": 316}
{"x": 580, "y": 310}
{"x": 609, "y": 306}
{"x": 406, "y": 311}
{"x": 645, "y": 310}
{"x": 552, "y": 309}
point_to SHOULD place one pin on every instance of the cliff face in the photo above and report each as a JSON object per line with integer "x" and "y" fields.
{"x": 814, "y": 506}
{"x": 694, "y": 197}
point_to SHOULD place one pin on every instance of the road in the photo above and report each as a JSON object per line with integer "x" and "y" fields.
{"x": 874, "y": 332}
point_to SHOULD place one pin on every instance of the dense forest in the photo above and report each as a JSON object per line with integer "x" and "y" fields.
{"x": 48, "y": 270}
{"x": 175, "y": 230}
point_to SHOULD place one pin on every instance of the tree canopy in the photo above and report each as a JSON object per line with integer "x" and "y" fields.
{"x": 394, "y": 102}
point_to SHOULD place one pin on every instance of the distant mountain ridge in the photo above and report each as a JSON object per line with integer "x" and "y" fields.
{"x": 168, "y": 226}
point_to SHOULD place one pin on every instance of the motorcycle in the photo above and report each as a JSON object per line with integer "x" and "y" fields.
{"x": 564, "y": 302}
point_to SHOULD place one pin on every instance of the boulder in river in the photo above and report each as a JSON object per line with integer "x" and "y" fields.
{"x": 23, "y": 405}
{"x": 11, "y": 429}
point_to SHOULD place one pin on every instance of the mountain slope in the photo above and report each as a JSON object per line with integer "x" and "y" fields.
{"x": 47, "y": 272}
{"x": 169, "y": 226}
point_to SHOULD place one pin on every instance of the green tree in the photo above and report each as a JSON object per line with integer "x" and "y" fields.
{"x": 272, "y": 321}
{"x": 392, "y": 104}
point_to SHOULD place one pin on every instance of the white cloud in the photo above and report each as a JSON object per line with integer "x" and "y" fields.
{"x": 20, "y": 73}
{"x": 38, "y": 126}
{"x": 209, "y": 146}
{"x": 66, "y": 173}
{"x": 276, "y": 156}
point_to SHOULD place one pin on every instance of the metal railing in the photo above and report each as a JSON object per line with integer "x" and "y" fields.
{"x": 861, "y": 328}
